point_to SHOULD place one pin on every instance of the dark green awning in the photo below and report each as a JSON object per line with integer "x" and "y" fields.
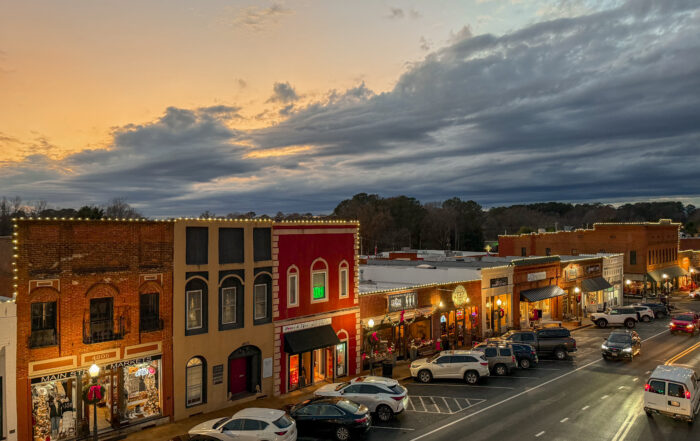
{"x": 595, "y": 284}
{"x": 537, "y": 294}
{"x": 672, "y": 271}
{"x": 309, "y": 339}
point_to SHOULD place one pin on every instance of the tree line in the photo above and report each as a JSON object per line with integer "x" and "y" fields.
{"x": 394, "y": 223}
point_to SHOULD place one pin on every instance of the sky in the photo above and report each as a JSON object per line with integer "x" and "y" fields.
{"x": 234, "y": 106}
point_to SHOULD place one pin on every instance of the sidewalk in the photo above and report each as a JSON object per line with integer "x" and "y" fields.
{"x": 170, "y": 431}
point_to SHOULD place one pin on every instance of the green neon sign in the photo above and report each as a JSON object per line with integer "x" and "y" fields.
{"x": 319, "y": 292}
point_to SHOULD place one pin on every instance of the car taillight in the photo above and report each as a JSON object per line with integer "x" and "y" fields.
{"x": 362, "y": 420}
{"x": 399, "y": 398}
{"x": 484, "y": 363}
{"x": 281, "y": 433}
{"x": 687, "y": 394}
{"x": 513, "y": 358}
{"x": 647, "y": 387}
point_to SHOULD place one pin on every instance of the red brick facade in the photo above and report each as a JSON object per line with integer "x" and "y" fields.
{"x": 689, "y": 243}
{"x": 72, "y": 263}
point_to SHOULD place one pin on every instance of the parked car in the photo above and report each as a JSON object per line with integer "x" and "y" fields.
{"x": 250, "y": 424}
{"x": 382, "y": 396}
{"x": 336, "y": 417}
{"x": 500, "y": 356}
{"x": 688, "y": 322}
{"x": 212, "y": 437}
{"x": 619, "y": 316}
{"x": 525, "y": 355}
{"x": 660, "y": 309}
{"x": 672, "y": 391}
{"x": 547, "y": 342}
{"x": 694, "y": 295}
{"x": 622, "y": 344}
{"x": 644, "y": 313}
{"x": 458, "y": 364}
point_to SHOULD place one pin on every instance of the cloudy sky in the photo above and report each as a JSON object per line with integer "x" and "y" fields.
{"x": 182, "y": 106}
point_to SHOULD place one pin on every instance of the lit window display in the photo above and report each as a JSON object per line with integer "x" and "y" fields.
{"x": 54, "y": 410}
{"x": 140, "y": 391}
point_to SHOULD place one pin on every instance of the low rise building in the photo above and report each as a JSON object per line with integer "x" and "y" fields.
{"x": 8, "y": 368}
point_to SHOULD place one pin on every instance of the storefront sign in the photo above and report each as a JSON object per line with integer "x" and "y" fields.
{"x": 533, "y": 277}
{"x": 306, "y": 325}
{"x": 499, "y": 281}
{"x": 571, "y": 273}
{"x": 61, "y": 376}
{"x": 218, "y": 374}
{"x": 401, "y": 302}
{"x": 592, "y": 269}
{"x": 459, "y": 296}
{"x": 130, "y": 362}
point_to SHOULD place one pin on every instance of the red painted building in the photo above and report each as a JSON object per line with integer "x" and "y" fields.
{"x": 315, "y": 303}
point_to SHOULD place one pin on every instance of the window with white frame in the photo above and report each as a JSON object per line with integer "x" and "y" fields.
{"x": 195, "y": 381}
{"x": 194, "y": 309}
{"x": 228, "y": 305}
{"x": 343, "y": 280}
{"x": 292, "y": 287}
{"x": 260, "y": 297}
{"x": 318, "y": 286}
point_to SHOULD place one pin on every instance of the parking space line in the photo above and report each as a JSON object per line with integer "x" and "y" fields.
{"x": 585, "y": 407}
{"x": 539, "y": 434}
{"x": 451, "y": 406}
{"x": 391, "y": 428}
{"x": 564, "y": 420}
{"x": 604, "y": 397}
{"x": 425, "y": 408}
{"x": 468, "y": 386}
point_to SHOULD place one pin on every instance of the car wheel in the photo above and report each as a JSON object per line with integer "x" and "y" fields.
{"x": 560, "y": 354}
{"x": 500, "y": 370}
{"x": 471, "y": 377}
{"x": 605, "y": 357}
{"x": 601, "y": 323}
{"x": 384, "y": 413}
{"x": 646, "y": 318}
{"x": 425, "y": 376}
{"x": 649, "y": 413}
{"x": 630, "y": 323}
{"x": 525, "y": 363}
{"x": 342, "y": 433}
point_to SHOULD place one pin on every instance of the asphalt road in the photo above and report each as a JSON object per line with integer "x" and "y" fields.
{"x": 586, "y": 398}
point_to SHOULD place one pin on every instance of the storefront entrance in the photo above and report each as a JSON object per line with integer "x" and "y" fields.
{"x": 244, "y": 371}
{"x": 310, "y": 356}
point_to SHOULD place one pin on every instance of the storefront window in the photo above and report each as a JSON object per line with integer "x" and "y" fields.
{"x": 54, "y": 410}
{"x": 341, "y": 359}
{"x": 140, "y": 391}
{"x": 293, "y": 372}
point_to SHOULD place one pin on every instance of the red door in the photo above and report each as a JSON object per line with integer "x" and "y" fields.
{"x": 237, "y": 368}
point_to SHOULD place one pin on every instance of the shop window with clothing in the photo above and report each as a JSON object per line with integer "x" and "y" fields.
{"x": 55, "y": 412}
{"x": 43, "y": 325}
{"x": 195, "y": 379}
{"x": 149, "y": 313}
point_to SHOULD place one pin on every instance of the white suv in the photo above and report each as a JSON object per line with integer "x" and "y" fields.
{"x": 644, "y": 312}
{"x": 620, "y": 316}
{"x": 383, "y": 396}
{"x": 469, "y": 365}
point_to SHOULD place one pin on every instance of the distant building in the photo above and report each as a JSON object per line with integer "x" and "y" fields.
{"x": 8, "y": 369}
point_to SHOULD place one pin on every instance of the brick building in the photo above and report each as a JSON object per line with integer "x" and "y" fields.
{"x": 689, "y": 243}
{"x": 315, "y": 308}
{"x": 650, "y": 249}
{"x": 92, "y": 292}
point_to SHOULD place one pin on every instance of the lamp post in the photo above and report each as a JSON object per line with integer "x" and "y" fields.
{"x": 577, "y": 290}
{"x": 499, "y": 303}
{"x": 370, "y": 323}
{"x": 94, "y": 372}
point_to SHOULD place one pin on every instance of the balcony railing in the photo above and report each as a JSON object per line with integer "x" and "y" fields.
{"x": 43, "y": 338}
{"x": 150, "y": 324}
{"x": 97, "y": 331}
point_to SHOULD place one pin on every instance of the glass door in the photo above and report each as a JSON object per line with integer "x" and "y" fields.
{"x": 341, "y": 359}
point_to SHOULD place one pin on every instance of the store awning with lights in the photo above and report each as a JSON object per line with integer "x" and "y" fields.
{"x": 544, "y": 293}
{"x": 671, "y": 272}
{"x": 395, "y": 317}
{"x": 309, "y": 339}
{"x": 595, "y": 284}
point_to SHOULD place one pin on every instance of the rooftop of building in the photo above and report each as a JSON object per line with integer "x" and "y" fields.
{"x": 602, "y": 225}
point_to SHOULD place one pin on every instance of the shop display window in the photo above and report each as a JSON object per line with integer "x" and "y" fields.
{"x": 293, "y": 372}
{"x": 54, "y": 413}
{"x": 341, "y": 359}
{"x": 140, "y": 391}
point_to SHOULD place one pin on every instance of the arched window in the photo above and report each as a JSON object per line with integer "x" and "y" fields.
{"x": 343, "y": 280}
{"x": 292, "y": 286}
{"x": 196, "y": 381}
{"x": 196, "y": 313}
{"x": 319, "y": 281}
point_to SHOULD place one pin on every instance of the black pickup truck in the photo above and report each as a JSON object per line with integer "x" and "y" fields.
{"x": 548, "y": 342}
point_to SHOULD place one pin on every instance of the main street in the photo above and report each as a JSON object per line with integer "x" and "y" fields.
{"x": 586, "y": 398}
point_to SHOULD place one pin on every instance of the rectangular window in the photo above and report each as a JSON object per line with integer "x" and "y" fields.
{"x": 318, "y": 286}
{"x": 194, "y": 309}
{"x": 231, "y": 245}
{"x": 523, "y": 251}
{"x": 43, "y": 325}
{"x": 197, "y": 245}
{"x": 228, "y": 305}
{"x": 292, "y": 290}
{"x": 102, "y": 319}
{"x": 262, "y": 244}
{"x": 548, "y": 251}
{"x": 149, "y": 313}
{"x": 343, "y": 282}
{"x": 260, "y": 297}
{"x": 194, "y": 384}
{"x": 633, "y": 257}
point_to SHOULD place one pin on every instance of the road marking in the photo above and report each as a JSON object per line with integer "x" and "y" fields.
{"x": 585, "y": 407}
{"x": 682, "y": 354}
{"x": 624, "y": 428}
{"x": 621, "y": 387}
{"x": 604, "y": 397}
{"x": 392, "y": 428}
{"x": 465, "y": 417}
{"x": 548, "y": 369}
{"x": 648, "y": 372}
{"x": 469, "y": 386}
{"x": 539, "y": 434}
{"x": 513, "y": 376}
{"x": 564, "y": 420}
{"x": 635, "y": 379}
{"x": 427, "y": 402}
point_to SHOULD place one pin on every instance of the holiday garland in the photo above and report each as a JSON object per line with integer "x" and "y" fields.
{"x": 93, "y": 393}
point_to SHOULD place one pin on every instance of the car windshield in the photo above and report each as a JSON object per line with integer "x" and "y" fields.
{"x": 685, "y": 317}
{"x": 283, "y": 422}
{"x": 619, "y": 338}
{"x": 342, "y": 386}
{"x": 434, "y": 357}
{"x": 349, "y": 406}
{"x": 219, "y": 423}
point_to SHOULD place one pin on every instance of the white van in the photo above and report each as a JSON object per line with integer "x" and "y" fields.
{"x": 672, "y": 391}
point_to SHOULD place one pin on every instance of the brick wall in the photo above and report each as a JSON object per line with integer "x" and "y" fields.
{"x": 689, "y": 243}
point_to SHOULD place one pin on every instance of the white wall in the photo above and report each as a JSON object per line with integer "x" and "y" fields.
{"x": 8, "y": 368}
{"x": 417, "y": 276}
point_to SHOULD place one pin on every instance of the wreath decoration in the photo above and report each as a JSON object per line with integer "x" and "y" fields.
{"x": 93, "y": 393}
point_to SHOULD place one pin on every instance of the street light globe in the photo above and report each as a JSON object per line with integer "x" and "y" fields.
{"x": 371, "y": 323}
{"x": 468, "y": 300}
{"x": 441, "y": 304}
{"x": 628, "y": 282}
{"x": 692, "y": 270}
{"x": 499, "y": 302}
{"x": 577, "y": 290}
{"x": 665, "y": 276}
{"x": 94, "y": 370}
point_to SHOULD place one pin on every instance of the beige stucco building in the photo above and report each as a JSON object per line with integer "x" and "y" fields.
{"x": 222, "y": 313}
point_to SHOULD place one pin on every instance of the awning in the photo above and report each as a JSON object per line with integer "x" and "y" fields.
{"x": 671, "y": 271}
{"x": 310, "y": 339}
{"x": 396, "y": 316}
{"x": 635, "y": 277}
{"x": 595, "y": 284}
{"x": 537, "y": 294}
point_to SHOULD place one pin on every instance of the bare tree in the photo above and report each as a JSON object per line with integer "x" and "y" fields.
{"x": 118, "y": 208}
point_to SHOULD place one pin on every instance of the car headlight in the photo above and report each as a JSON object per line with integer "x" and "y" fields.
{"x": 627, "y": 350}
{"x": 689, "y": 326}
{"x": 604, "y": 346}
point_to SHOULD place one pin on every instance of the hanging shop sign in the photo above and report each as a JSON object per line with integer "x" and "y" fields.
{"x": 401, "y": 302}
{"x": 499, "y": 281}
{"x": 533, "y": 277}
{"x": 592, "y": 269}
{"x": 459, "y": 296}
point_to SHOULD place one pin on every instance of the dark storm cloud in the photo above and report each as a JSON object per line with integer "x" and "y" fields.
{"x": 600, "y": 106}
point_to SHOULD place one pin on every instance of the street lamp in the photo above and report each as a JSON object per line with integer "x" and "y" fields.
{"x": 94, "y": 372}
{"x": 499, "y": 303}
{"x": 576, "y": 291}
